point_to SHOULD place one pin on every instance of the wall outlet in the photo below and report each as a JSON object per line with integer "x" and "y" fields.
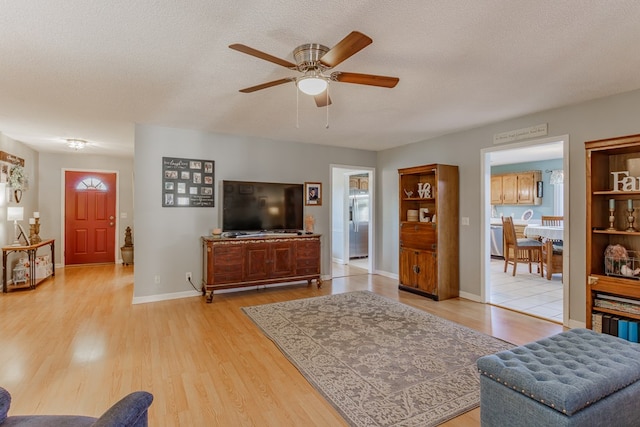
{"x": 188, "y": 276}
{"x": 465, "y": 220}
{"x": 157, "y": 279}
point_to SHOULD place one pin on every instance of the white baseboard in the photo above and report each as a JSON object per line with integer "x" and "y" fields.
{"x": 471, "y": 297}
{"x": 166, "y": 297}
{"x": 189, "y": 294}
{"x": 387, "y": 274}
{"x": 576, "y": 324}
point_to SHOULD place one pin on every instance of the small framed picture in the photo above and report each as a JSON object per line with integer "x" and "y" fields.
{"x": 313, "y": 193}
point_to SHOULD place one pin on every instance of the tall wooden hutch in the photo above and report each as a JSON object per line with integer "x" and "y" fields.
{"x": 429, "y": 227}
{"x": 613, "y": 186}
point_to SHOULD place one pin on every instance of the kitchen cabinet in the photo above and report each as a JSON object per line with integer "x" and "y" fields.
{"x": 518, "y": 188}
{"x": 496, "y": 189}
{"x": 359, "y": 183}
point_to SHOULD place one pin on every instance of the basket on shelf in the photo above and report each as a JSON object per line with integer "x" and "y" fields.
{"x": 623, "y": 266}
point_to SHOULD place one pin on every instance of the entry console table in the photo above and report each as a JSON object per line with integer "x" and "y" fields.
{"x": 31, "y": 251}
{"x": 259, "y": 260}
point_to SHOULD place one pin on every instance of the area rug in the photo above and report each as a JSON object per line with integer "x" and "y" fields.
{"x": 379, "y": 362}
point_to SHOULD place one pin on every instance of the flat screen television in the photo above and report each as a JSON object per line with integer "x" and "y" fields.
{"x": 261, "y": 206}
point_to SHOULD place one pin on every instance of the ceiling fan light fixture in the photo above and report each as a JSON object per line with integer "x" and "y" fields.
{"x": 312, "y": 84}
{"x": 76, "y": 144}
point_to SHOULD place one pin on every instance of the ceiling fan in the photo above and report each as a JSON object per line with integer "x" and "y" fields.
{"x": 314, "y": 61}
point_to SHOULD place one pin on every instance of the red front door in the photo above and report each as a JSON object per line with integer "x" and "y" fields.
{"x": 90, "y": 217}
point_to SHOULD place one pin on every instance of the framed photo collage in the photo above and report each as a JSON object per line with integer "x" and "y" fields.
{"x": 187, "y": 182}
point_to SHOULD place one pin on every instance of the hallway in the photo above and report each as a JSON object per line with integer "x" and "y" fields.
{"x": 354, "y": 268}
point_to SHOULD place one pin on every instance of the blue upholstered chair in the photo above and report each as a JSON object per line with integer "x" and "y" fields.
{"x": 130, "y": 411}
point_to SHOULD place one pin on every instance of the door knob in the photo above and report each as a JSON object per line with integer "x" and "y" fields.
{"x": 111, "y": 217}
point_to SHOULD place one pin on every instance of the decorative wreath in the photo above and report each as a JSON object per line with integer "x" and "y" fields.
{"x": 17, "y": 178}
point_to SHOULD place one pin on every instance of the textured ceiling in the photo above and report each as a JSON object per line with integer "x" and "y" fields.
{"x": 91, "y": 69}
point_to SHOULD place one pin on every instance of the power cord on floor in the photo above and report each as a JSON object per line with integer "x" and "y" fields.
{"x": 194, "y": 286}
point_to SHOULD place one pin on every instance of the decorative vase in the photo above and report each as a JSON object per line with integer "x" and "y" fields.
{"x": 309, "y": 222}
{"x": 127, "y": 250}
{"x": 127, "y": 255}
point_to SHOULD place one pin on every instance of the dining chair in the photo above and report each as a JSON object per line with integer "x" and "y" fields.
{"x": 552, "y": 221}
{"x": 551, "y": 250}
{"x": 519, "y": 250}
{"x": 551, "y": 258}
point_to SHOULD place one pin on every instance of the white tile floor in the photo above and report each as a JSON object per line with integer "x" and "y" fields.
{"x": 526, "y": 292}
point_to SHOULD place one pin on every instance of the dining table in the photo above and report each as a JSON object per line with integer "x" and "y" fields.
{"x": 550, "y": 232}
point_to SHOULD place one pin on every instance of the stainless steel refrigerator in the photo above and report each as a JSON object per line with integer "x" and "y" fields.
{"x": 358, "y": 223}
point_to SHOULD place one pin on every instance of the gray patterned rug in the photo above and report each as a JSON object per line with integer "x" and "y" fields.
{"x": 379, "y": 362}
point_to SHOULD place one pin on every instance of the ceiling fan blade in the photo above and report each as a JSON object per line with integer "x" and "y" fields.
{"x": 266, "y": 85}
{"x": 365, "y": 79}
{"x": 348, "y": 46}
{"x": 322, "y": 99}
{"x": 258, "y": 54}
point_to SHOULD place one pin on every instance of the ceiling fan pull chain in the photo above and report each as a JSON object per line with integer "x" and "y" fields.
{"x": 297, "y": 108}
{"x": 327, "y": 92}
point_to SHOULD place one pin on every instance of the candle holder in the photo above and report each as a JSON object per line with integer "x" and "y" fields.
{"x": 630, "y": 220}
{"x": 34, "y": 231}
{"x": 612, "y": 219}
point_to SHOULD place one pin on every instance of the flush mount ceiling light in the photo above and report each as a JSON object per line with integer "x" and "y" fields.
{"x": 76, "y": 144}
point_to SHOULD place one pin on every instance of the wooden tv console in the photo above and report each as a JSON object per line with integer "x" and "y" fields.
{"x": 248, "y": 261}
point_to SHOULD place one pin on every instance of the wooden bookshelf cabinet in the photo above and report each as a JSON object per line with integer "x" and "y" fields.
{"x": 429, "y": 251}
{"x": 240, "y": 262}
{"x": 605, "y": 188}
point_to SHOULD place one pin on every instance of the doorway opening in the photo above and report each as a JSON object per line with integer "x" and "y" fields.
{"x": 530, "y": 293}
{"x": 352, "y": 220}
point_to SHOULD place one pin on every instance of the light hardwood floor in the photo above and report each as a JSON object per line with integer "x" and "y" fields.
{"x": 76, "y": 344}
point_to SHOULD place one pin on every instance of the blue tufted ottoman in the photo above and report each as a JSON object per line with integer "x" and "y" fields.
{"x": 575, "y": 378}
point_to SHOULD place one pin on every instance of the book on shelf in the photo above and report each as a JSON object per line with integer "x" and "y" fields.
{"x": 613, "y": 326}
{"x": 623, "y": 329}
{"x": 606, "y": 322}
{"x": 617, "y": 298}
{"x": 617, "y": 304}
{"x": 596, "y": 322}
{"x": 633, "y": 330}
